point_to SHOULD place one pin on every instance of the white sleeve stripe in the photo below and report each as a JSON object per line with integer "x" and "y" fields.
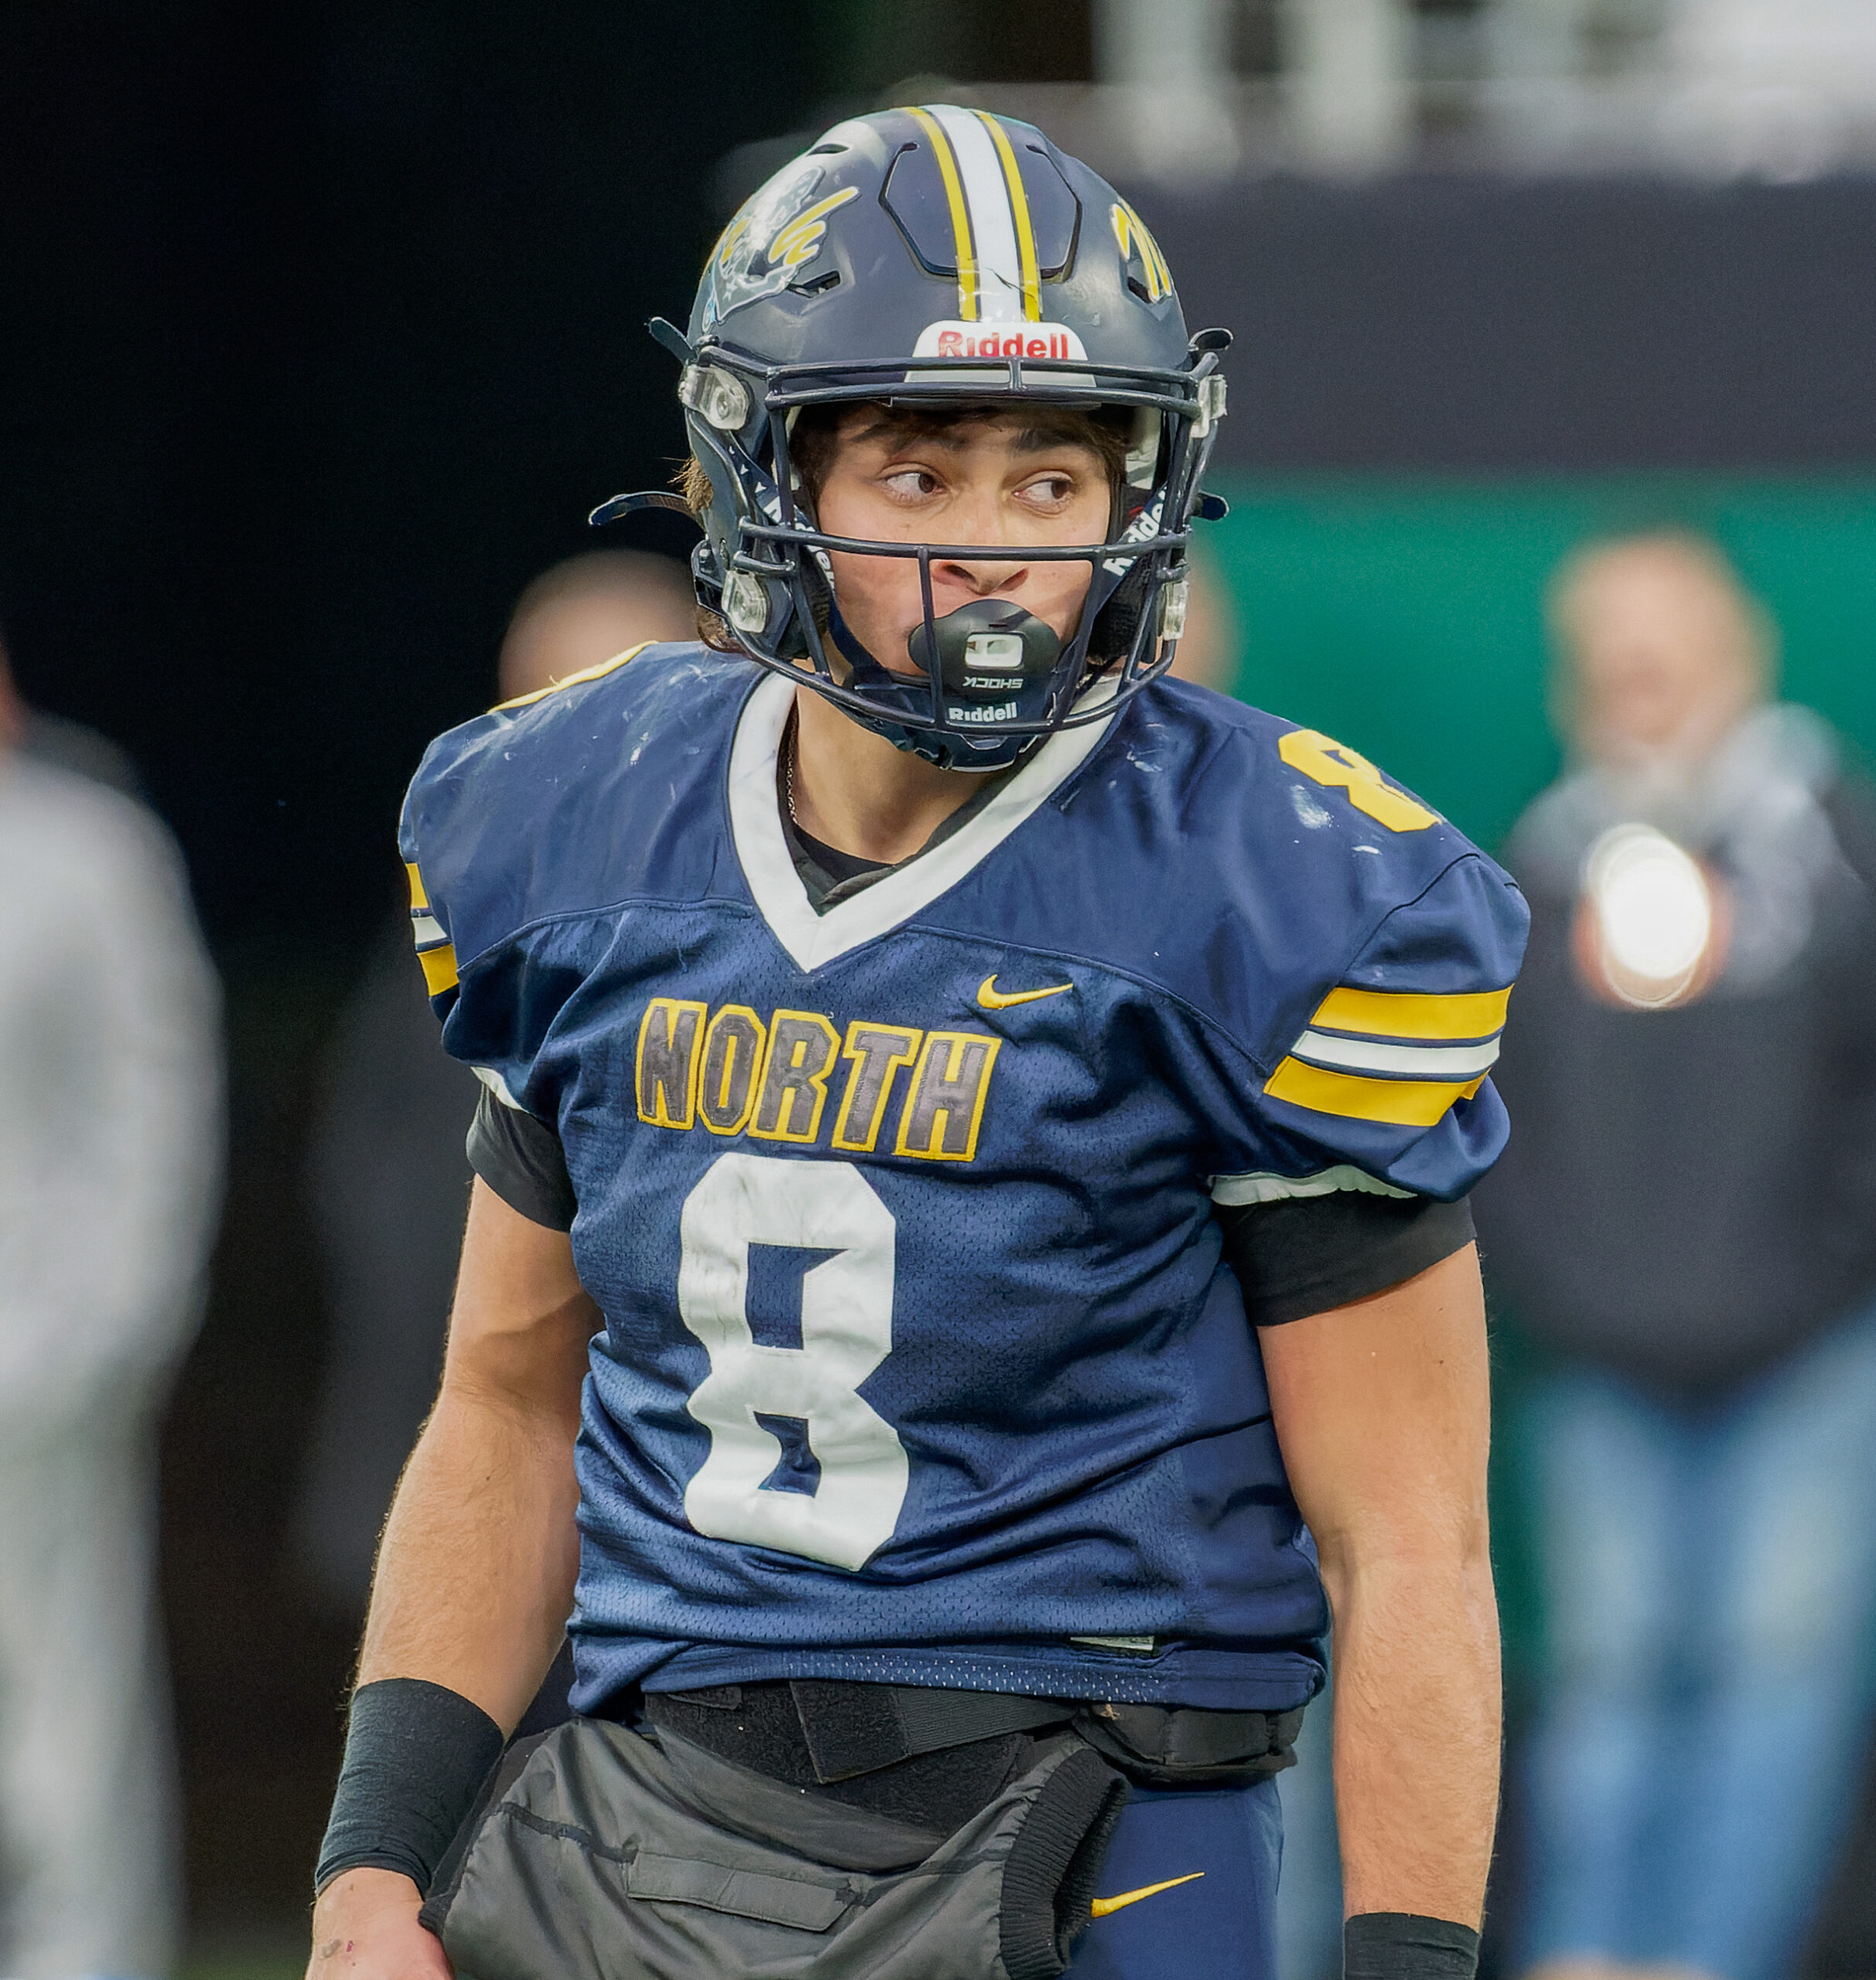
{"x": 1323, "y": 1029}
{"x": 427, "y": 930}
{"x": 1440, "y": 1062}
{"x": 1265, "y": 1187}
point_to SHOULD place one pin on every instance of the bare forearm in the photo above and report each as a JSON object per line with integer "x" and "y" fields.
{"x": 475, "y": 1577}
{"x": 1417, "y": 1725}
{"x": 1384, "y": 1409}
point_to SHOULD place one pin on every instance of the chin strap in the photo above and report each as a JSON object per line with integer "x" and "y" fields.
{"x": 867, "y": 672}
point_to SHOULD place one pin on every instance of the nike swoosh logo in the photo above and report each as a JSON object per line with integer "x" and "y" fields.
{"x": 1102, "y": 1905}
{"x": 994, "y": 999}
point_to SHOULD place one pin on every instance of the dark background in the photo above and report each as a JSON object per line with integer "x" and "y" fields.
{"x": 322, "y": 331}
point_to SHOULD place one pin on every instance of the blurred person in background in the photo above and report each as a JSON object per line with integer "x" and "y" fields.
{"x": 587, "y": 609}
{"x": 41, "y": 738}
{"x": 1683, "y": 1227}
{"x": 390, "y": 1177}
{"x": 109, "y": 1163}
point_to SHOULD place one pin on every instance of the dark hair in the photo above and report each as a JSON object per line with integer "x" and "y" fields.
{"x": 819, "y": 430}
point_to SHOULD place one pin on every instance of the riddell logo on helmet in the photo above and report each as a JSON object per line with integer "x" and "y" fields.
{"x": 956, "y": 339}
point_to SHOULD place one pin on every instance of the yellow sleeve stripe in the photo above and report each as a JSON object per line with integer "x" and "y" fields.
{"x": 438, "y": 968}
{"x": 1400, "y": 1103}
{"x": 573, "y": 680}
{"x": 1409, "y": 1014}
{"x": 438, "y": 957}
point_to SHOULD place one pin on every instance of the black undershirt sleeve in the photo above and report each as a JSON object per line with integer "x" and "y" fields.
{"x": 1300, "y": 1256}
{"x": 1306, "y": 1254}
{"x": 521, "y": 1160}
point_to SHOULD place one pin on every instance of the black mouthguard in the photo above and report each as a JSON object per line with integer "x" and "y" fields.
{"x": 993, "y": 655}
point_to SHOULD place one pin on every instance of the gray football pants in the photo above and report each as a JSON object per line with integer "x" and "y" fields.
{"x": 88, "y": 1850}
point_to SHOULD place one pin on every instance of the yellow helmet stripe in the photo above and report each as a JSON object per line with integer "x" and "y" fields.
{"x": 960, "y": 213}
{"x": 1019, "y": 212}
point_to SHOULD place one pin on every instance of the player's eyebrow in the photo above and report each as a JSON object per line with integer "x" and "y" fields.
{"x": 895, "y": 430}
{"x": 1027, "y": 439}
{"x": 1035, "y": 439}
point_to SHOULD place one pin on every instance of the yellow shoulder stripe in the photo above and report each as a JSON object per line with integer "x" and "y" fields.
{"x": 573, "y": 680}
{"x": 1400, "y": 1103}
{"x": 1410, "y": 1014}
{"x": 420, "y": 901}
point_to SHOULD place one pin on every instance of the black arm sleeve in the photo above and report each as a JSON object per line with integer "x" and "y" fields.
{"x": 521, "y": 1160}
{"x": 1307, "y": 1254}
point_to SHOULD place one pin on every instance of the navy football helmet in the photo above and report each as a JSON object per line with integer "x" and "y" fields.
{"x": 931, "y": 257}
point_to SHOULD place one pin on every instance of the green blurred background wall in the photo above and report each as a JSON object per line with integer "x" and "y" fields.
{"x": 1403, "y": 615}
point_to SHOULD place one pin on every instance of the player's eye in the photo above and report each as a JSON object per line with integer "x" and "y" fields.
{"x": 911, "y": 484}
{"x": 1049, "y": 491}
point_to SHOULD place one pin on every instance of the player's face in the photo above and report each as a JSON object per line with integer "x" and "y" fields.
{"x": 980, "y": 482}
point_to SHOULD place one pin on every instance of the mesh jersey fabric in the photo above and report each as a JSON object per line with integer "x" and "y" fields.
{"x": 1292, "y": 1258}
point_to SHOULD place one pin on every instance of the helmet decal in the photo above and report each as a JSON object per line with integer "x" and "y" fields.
{"x": 800, "y": 241}
{"x": 776, "y": 232}
{"x": 1034, "y": 340}
{"x": 1140, "y": 251}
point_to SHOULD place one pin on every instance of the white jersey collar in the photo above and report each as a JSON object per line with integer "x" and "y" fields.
{"x": 755, "y": 819}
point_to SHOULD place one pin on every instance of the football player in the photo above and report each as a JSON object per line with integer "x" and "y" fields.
{"x": 970, "y": 1242}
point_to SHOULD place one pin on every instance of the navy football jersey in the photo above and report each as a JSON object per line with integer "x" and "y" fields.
{"x": 922, "y": 1362}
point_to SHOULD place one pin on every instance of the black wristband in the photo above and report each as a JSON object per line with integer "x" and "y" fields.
{"x": 1399, "y": 1945}
{"x": 416, "y": 1754}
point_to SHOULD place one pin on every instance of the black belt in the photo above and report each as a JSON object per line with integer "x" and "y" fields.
{"x": 826, "y": 1731}
{"x": 848, "y": 1730}
{"x": 1161, "y": 1745}
{"x": 853, "y": 1729}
